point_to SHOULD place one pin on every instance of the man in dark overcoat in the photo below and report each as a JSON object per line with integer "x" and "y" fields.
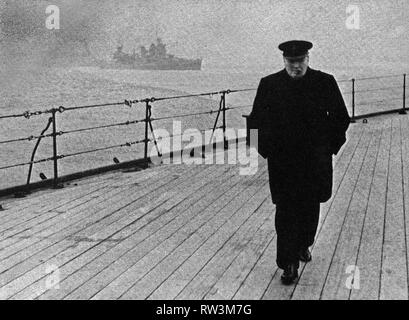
{"x": 301, "y": 119}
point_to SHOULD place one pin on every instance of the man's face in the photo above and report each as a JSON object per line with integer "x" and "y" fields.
{"x": 296, "y": 67}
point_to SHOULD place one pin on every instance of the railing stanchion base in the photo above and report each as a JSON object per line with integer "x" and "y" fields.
{"x": 21, "y": 194}
{"x": 58, "y": 186}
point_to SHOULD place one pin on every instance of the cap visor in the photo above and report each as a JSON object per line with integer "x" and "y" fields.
{"x": 295, "y": 58}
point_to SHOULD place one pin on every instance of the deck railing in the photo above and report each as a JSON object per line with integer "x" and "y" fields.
{"x": 354, "y": 82}
{"x": 54, "y": 114}
{"x": 148, "y": 127}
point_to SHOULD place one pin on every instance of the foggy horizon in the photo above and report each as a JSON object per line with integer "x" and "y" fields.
{"x": 236, "y": 34}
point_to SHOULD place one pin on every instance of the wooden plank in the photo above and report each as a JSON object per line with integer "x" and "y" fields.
{"x": 405, "y": 163}
{"x": 102, "y": 212}
{"x": 185, "y": 241}
{"x": 107, "y": 266}
{"x": 43, "y": 196}
{"x": 46, "y": 212}
{"x": 49, "y": 210}
{"x": 185, "y": 272}
{"x": 53, "y": 203}
{"x": 275, "y": 289}
{"x": 190, "y": 256}
{"x": 202, "y": 285}
{"x": 31, "y": 238}
{"x": 256, "y": 282}
{"x": 394, "y": 283}
{"x": 81, "y": 215}
{"x": 346, "y": 251}
{"x": 108, "y": 229}
{"x": 370, "y": 249}
{"x": 252, "y": 283}
{"x": 22, "y": 211}
{"x": 47, "y": 199}
{"x": 73, "y": 204}
{"x": 233, "y": 276}
{"x": 314, "y": 273}
{"x": 354, "y": 131}
{"x": 69, "y": 266}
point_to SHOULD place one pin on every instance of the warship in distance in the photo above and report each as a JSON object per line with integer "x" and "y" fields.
{"x": 154, "y": 58}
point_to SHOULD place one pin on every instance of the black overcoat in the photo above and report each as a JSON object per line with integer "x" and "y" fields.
{"x": 301, "y": 124}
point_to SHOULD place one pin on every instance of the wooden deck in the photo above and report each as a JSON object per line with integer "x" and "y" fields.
{"x": 206, "y": 232}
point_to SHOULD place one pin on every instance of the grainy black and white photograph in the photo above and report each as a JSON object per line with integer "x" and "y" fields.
{"x": 221, "y": 151}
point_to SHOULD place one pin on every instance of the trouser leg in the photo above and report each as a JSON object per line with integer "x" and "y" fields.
{"x": 287, "y": 234}
{"x": 309, "y": 218}
{"x": 296, "y": 224}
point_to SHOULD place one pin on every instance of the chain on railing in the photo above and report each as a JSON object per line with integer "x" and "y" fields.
{"x": 149, "y": 119}
{"x": 26, "y": 114}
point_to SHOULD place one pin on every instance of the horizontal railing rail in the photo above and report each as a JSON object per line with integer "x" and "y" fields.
{"x": 148, "y": 119}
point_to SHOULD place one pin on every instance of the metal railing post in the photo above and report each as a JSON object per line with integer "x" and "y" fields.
{"x": 55, "y": 155}
{"x": 403, "y": 111}
{"x": 353, "y": 101}
{"x": 146, "y": 129}
{"x": 225, "y": 144}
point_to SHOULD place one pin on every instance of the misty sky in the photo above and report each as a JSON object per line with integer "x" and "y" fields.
{"x": 224, "y": 33}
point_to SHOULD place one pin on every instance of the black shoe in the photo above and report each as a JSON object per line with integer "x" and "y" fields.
{"x": 290, "y": 274}
{"x": 305, "y": 255}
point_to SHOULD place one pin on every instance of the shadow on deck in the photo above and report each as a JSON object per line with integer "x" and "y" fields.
{"x": 206, "y": 232}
